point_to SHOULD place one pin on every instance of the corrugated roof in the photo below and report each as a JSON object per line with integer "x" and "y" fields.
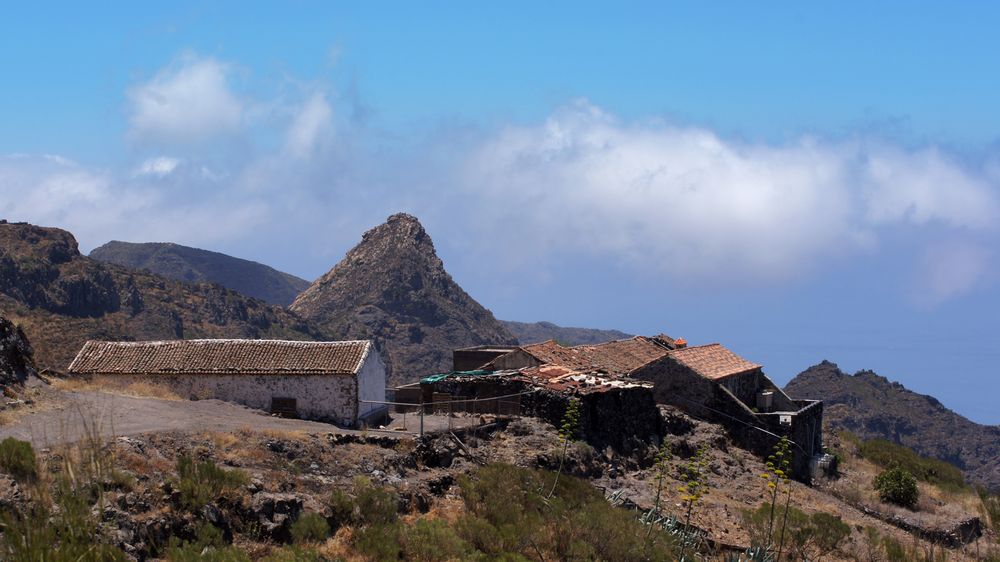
{"x": 251, "y": 357}
{"x": 712, "y": 361}
{"x": 613, "y": 357}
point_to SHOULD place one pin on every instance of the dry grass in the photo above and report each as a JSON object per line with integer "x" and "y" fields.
{"x": 136, "y": 389}
{"x": 338, "y": 547}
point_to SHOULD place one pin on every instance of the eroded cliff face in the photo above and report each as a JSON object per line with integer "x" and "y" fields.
{"x": 392, "y": 287}
{"x": 64, "y": 298}
{"x": 16, "y": 361}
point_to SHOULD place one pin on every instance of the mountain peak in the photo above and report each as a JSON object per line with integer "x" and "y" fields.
{"x": 393, "y": 287}
{"x": 872, "y": 406}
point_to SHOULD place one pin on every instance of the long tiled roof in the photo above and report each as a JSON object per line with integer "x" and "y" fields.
{"x": 613, "y": 357}
{"x": 712, "y": 361}
{"x": 251, "y": 357}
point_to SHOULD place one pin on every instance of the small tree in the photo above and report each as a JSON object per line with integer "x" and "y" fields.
{"x": 896, "y": 485}
{"x": 567, "y": 433}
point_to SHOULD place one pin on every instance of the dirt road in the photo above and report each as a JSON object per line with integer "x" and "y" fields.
{"x": 77, "y": 414}
{"x": 81, "y": 412}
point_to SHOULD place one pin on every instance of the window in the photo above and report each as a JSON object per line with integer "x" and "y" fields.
{"x": 284, "y": 407}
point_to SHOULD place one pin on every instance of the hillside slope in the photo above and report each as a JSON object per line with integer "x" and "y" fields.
{"x": 194, "y": 265}
{"x": 393, "y": 287}
{"x": 875, "y": 407}
{"x": 534, "y": 332}
{"x": 62, "y": 298}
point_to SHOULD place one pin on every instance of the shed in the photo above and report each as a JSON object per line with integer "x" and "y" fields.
{"x": 339, "y": 382}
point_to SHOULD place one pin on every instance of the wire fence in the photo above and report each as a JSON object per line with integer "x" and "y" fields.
{"x": 447, "y": 405}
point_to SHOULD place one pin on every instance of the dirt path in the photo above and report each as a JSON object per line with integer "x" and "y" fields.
{"x": 71, "y": 415}
{"x": 113, "y": 414}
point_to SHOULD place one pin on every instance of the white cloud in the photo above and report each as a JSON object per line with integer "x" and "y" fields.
{"x": 683, "y": 202}
{"x": 189, "y": 101}
{"x": 160, "y": 166}
{"x": 925, "y": 186}
{"x": 312, "y": 125}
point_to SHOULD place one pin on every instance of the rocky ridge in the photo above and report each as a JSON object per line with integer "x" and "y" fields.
{"x": 872, "y": 407}
{"x": 188, "y": 264}
{"x": 534, "y": 332}
{"x": 393, "y": 287}
{"x": 62, "y": 298}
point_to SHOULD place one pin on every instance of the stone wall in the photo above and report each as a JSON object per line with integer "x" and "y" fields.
{"x": 331, "y": 398}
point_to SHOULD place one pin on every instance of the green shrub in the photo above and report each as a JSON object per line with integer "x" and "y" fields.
{"x": 295, "y": 554}
{"x": 831, "y": 532}
{"x": 310, "y": 527}
{"x": 896, "y": 485}
{"x": 374, "y": 505}
{"x": 379, "y": 541}
{"x": 202, "y": 482}
{"x": 341, "y": 509}
{"x": 17, "y": 458}
{"x": 61, "y": 532}
{"x": 933, "y": 471}
{"x": 509, "y": 514}
{"x": 433, "y": 540}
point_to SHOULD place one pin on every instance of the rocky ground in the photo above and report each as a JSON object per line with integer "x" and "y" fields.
{"x": 293, "y": 466}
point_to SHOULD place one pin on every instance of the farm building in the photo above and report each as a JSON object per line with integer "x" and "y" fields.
{"x": 713, "y": 383}
{"x": 630, "y": 376}
{"x": 325, "y": 381}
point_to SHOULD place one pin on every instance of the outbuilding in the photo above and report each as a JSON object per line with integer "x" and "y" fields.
{"x": 341, "y": 382}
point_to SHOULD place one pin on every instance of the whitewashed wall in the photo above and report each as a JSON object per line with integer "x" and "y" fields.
{"x": 371, "y": 386}
{"x": 330, "y": 398}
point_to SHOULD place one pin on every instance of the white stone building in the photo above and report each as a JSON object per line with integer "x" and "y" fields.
{"x": 326, "y": 381}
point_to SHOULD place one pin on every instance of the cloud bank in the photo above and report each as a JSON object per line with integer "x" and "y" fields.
{"x": 681, "y": 203}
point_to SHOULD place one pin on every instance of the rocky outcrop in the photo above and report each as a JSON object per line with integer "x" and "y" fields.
{"x": 873, "y": 407}
{"x": 393, "y": 288}
{"x": 194, "y": 265}
{"x": 65, "y": 298}
{"x": 16, "y": 361}
{"x": 534, "y": 332}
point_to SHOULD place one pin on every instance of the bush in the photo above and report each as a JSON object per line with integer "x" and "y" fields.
{"x": 896, "y": 485}
{"x": 379, "y": 542}
{"x": 341, "y": 509}
{"x": 201, "y": 482}
{"x": 433, "y": 540}
{"x": 17, "y": 458}
{"x": 831, "y": 532}
{"x": 933, "y": 471}
{"x": 311, "y": 527}
{"x": 375, "y": 506}
{"x": 296, "y": 554}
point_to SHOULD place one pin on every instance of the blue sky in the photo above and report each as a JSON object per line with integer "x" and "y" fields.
{"x": 799, "y": 182}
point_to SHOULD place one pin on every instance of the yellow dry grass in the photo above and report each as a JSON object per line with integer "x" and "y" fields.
{"x": 338, "y": 547}
{"x": 136, "y": 389}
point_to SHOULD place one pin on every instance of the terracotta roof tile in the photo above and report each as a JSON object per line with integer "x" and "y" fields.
{"x": 613, "y": 357}
{"x": 712, "y": 361}
{"x": 250, "y": 357}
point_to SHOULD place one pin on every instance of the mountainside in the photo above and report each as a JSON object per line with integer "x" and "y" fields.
{"x": 193, "y": 265}
{"x": 393, "y": 287}
{"x": 16, "y": 361}
{"x": 61, "y": 299}
{"x": 534, "y": 332}
{"x": 874, "y": 407}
